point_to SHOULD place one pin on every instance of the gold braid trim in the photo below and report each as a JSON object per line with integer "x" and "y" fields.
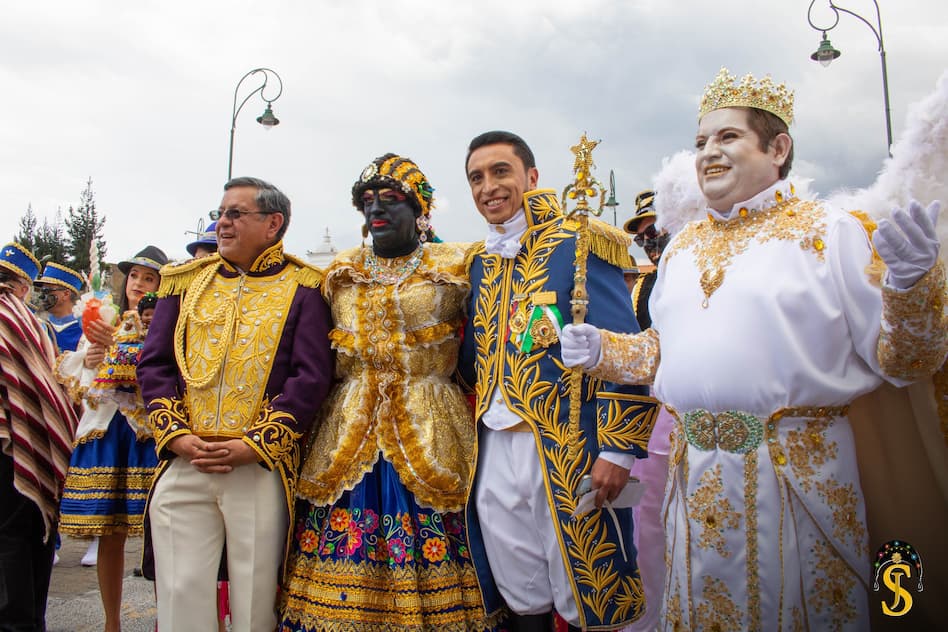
{"x": 175, "y": 278}
{"x": 876, "y": 267}
{"x": 382, "y": 598}
{"x": 625, "y": 421}
{"x": 273, "y": 439}
{"x": 307, "y": 275}
{"x": 225, "y": 312}
{"x": 92, "y": 436}
{"x": 637, "y": 292}
{"x": 74, "y": 388}
{"x": 168, "y": 418}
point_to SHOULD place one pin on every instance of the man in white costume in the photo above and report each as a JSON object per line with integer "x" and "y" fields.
{"x": 769, "y": 318}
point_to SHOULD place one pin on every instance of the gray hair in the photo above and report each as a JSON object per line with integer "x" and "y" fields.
{"x": 269, "y": 198}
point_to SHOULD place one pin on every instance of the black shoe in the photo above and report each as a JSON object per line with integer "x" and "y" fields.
{"x": 529, "y": 622}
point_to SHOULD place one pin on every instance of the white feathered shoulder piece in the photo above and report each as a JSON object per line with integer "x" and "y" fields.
{"x": 918, "y": 168}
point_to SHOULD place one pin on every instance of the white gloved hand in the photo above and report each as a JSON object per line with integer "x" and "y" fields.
{"x": 580, "y": 345}
{"x": 911, "y": 252}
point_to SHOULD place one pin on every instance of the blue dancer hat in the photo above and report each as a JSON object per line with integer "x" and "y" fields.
{"x": 208, "y": 238}
{"x": 20, "y": 261}
{"x": 58, "y": 274}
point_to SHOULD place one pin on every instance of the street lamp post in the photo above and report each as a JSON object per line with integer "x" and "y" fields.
{"x": 825, "y": 54}
{"x": 267, "y": 119}
{"x": 611, "y": 202}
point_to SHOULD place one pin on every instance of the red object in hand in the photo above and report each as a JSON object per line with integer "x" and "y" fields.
{"x": 90, "y": 313}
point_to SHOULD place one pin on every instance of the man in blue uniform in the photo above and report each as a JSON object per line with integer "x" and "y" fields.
{"x": 58, "y": 289}
{"x": 527, "y": 546}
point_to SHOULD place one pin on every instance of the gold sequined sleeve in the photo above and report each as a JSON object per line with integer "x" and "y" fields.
{"x": 628, "y": 358}
{"x": 913, "y": 340}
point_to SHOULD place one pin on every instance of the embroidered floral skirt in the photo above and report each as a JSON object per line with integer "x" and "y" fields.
{"x": 107, "y": 482}
{"x": 377, "y": 561}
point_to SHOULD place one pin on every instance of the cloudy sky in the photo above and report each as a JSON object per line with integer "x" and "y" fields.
{"x": 138, "y": 96}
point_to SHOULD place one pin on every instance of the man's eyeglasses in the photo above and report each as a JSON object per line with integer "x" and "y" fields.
{"x": 233, "y": 214}
{"x": 649, "y": 234}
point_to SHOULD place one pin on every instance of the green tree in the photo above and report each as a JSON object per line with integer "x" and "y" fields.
{"x": 47, "y": 241}
{"x": 50, "y": 242}
{"x": 83, "y": 225}
{"x": 28, "y": 226}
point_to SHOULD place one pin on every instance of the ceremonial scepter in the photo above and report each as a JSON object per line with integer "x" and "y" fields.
{"x": 584, "y": 186}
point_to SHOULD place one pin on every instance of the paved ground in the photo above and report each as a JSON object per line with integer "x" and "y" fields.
{"x": 74, "y": 604}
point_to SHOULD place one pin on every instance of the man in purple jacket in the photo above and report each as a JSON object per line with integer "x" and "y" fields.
{"x": 236, "y": 363}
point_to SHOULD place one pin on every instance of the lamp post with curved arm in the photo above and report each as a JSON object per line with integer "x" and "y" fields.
{"x": 825, "y": 54}
{"x": 267, "y": 119}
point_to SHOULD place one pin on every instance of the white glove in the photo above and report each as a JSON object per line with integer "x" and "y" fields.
{"x": 911, "y": 252}
{"x": 580, "y": 345}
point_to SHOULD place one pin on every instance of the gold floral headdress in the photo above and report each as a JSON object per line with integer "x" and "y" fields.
{"x": 399, "y": 173}
{"x": 725, "y": 92}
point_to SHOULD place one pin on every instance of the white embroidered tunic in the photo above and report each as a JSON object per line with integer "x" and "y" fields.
{"x": 768, "y": 325}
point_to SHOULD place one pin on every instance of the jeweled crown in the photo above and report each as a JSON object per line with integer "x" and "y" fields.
{"x": 725, "y": 92}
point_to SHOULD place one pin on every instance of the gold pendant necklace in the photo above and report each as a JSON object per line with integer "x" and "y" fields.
{"x": 710, "y": 281}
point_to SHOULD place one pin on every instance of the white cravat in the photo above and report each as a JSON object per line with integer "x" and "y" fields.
{"x": 504, "y": 239}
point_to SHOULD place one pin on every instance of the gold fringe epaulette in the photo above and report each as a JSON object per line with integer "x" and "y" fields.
{"x": 473, "y": 250}
{"x": 176, "y": 277}
{"x": 607, "y": 242}
{"x": 308, "y": 275}
{"x": 876, "y": 267}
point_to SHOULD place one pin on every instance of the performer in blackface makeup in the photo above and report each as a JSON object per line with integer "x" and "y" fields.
{"x": 380, "y": 542}
{"x": 768, "y": 320}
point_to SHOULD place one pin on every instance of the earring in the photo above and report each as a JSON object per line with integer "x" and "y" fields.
{"x": 365, "y": 233}
{"x": 421, "y": 222}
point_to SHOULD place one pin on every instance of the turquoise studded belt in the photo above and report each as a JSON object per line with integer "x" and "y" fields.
{"x": 739, "y": 432}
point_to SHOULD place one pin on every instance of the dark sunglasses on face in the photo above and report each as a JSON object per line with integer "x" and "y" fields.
{"x": 649, "y": 234}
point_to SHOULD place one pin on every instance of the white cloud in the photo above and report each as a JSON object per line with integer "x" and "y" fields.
{"x": 138, "y": 96}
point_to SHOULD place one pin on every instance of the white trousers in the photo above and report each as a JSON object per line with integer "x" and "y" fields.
{"x": 519, "y": 537}
{"x": 191, "y": 513}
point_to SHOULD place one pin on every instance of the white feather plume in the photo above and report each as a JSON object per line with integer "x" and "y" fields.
{"x": 918, "y": 168}
{"x": 678, "y": 200}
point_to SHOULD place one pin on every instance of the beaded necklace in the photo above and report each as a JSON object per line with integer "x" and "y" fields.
{"x": 387, "y": 272}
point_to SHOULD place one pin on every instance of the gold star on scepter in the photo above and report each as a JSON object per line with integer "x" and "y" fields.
{"x": 583, "y": 153}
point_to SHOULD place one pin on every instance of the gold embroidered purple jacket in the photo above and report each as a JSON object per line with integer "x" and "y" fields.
{"x": 232, "y": 355}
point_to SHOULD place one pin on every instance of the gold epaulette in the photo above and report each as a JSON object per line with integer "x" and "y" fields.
{"x": 473, "y": 250}
{"x": 176, "y": 277}
{"x": 610, "y": 244}
{"x": 308, "y": 275}
{"x": 876, "y": 267}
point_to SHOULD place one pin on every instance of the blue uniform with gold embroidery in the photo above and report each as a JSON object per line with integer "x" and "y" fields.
{"x": 511, "y": 346}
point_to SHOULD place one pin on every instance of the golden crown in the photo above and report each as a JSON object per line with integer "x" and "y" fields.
{"x": 725, "y": 92}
